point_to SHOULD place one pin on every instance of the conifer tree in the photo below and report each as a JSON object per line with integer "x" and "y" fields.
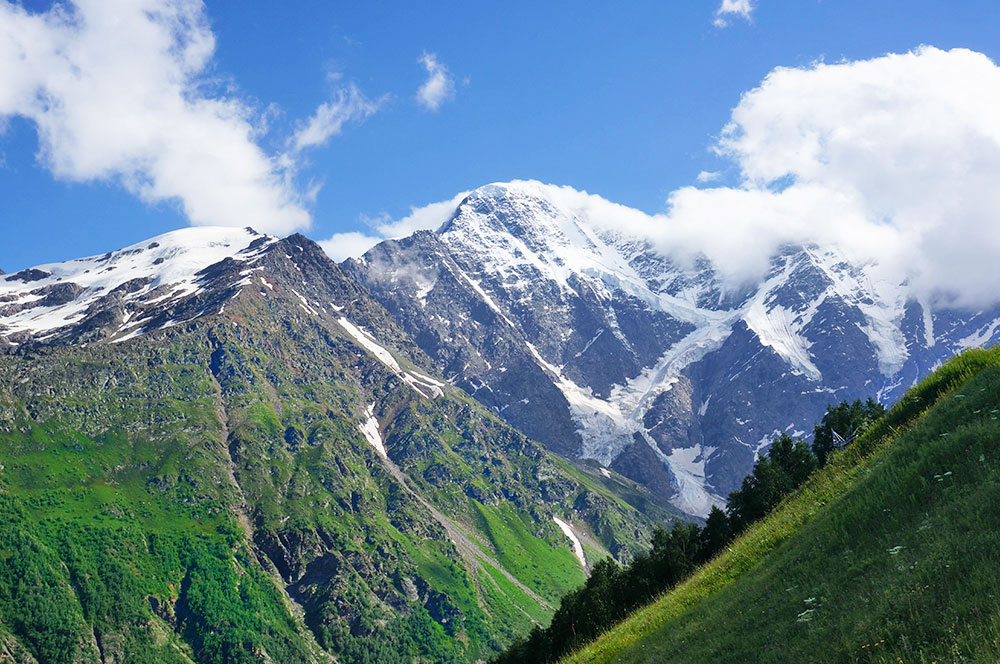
{"x": 715, "y": 534}
{"x": 841, "y": 423}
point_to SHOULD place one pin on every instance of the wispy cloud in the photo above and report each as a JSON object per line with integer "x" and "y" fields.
{"x": 732, "y": 8}
{"x": 439, "y": 86}
{"x": 348, "y": 104}
{"x": 428, "y": 217}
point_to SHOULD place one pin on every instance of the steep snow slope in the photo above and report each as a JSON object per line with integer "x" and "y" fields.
{"x": 536, "y": 301}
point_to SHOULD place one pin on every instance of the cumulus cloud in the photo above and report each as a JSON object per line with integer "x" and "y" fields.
{"x": 732, "y": 8}
{"x": 348, "y": 104}
{"x": 894, "y": 160}
{"x": 120, "y": 90}
{"x": 439, "y": 86}
{"x": 428, "y": 217}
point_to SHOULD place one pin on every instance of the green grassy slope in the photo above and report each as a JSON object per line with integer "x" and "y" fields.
{"x": 889, "y": 554}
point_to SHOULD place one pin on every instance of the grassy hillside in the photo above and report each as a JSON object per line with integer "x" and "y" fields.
{"x": 886, "y": 555}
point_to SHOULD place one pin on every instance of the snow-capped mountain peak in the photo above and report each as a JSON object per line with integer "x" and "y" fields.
{"x": 525, "y": 223}
{"x": 40, "y": 302}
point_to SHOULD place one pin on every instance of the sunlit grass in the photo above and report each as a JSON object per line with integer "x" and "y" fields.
{"x": 893, "y": 541}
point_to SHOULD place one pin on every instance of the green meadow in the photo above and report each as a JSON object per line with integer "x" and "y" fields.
{"x": 888, "y": 554}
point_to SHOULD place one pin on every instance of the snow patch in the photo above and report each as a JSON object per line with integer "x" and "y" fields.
{"x": 591, "y": 342}
{"x": 139, "y": 329}
{"x": 577, "y": 546}
{"x": 764, "y": 441}
{"x": 776, "y": 328}
{"x": 703, "y": 408}
{"x": 369, "y": 429}
{"x": 880, "y": 301}
{"x": 171, "y": 261}
{"x": 425, "y": 386}
{"x": 928, "y": 325}
{"x": 488, "y": 300}
{"x": 368, "y": 343}
{"x": 779, "y": 328}
{"x": 688, "y": 466}
{"x": 304, "y": 303}
{"x": 980, "y": 337}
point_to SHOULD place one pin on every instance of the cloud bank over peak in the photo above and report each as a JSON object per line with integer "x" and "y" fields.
{"x": 892, "y": 161}
{"x": 428, "y": 217}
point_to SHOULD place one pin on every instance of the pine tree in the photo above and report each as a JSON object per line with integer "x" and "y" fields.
{"x": 715, "y": 534}
{"x": 787, "y": 464}
{"x": 794, "y": 458}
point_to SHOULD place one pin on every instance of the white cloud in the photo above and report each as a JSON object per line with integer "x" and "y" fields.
{"x": 428, "y": 217}
{"x": 439, "y": 86}
{"x": 349, "y": 104}
{"x": 119, "y": 91}
{"x": 730, "y": 8}
{"x": 894, "y": 160}
{"x": 348, "y": 245}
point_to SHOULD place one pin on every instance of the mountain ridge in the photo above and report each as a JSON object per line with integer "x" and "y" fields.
{"x": 616, "y": 359}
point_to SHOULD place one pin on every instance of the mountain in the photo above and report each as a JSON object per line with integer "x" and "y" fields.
{"x": 215, "y": 446}
{"x": 885, "y": 555}
{"x": 541, "y": 304}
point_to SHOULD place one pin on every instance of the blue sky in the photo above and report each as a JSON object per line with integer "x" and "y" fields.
{"x": 623, "y": 101}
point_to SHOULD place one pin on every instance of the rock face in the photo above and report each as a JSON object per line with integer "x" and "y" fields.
{"x": 591, "y": 341}
{"x": 249, "y": 454}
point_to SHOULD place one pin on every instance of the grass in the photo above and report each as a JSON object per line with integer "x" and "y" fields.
{"x": 886, "y": 555}
{"x": 525, "y": 604}
{"x": 549, "y": 571}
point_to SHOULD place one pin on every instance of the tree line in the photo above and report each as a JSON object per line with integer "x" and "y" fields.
{"x": 614, "y": 591}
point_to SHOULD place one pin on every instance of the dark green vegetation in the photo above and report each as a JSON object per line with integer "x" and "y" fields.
{"x": 613, "y": 592}
{"x": 787, "y": 464}
{"x": 842, "y": 424}
{"x": 203, "y": 493}
{"x": 887, "y": 554}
